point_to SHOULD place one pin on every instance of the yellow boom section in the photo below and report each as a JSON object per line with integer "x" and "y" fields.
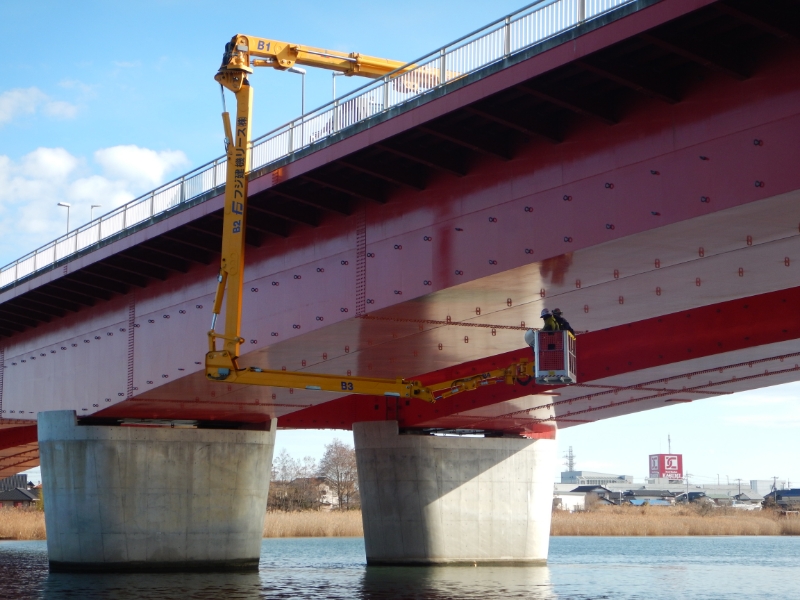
{"x": 244, "y": 51}
{"x": 241, "y": 54}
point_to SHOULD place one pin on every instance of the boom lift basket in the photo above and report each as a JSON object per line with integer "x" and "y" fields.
{"x": 554, "y": 353}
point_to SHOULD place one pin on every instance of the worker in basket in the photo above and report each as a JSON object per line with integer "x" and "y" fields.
{"x": 562, "y": 323}
{"x": 550, "y": 322}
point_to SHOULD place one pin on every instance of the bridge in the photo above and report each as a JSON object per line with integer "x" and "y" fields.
{"x": 631, "y": 162}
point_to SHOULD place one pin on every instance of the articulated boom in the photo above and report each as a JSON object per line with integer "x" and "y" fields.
{"x": 221, "y": 364}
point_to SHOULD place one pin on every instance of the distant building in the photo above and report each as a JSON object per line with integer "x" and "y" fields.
{"x": 655, "y": 497}
{"x": 762, "y": 486}
{"x": 693, "y": 497}
{"x": 649, "y": 501}
{"x": 593, "y": 478}
{"x": 18, "y": 497}
{"x": 13, "y": 482}
{"x": 720, "y": 499}
{"x": 570, "y": 501}
{"x": 749, "y": 497}
{"x": 787, "y": 499}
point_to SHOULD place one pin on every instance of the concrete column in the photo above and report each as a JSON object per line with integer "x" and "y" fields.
{"x": 437, "y": 500}
{"x": 153, "y": 498}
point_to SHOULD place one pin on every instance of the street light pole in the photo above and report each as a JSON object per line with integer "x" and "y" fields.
{"x": 66, "y": 205}
{"x": 91, "y": 211}
{"x": 302, "y": 72}
{"x": 333, "y": 78}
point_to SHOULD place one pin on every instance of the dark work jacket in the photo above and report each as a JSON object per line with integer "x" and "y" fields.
{"x": 563, "y": 324}
{"x": 550, "y": 324}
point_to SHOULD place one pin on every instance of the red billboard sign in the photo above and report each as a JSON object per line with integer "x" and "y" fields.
{"x": 666, "y": 466}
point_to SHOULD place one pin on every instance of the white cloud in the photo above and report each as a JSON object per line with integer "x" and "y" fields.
{"x": 60, "y": 109}
{"x": 19, "y": 102}
{"x": 31, "y": 187}
{"x": 135, "y": 164}
{"x": 48, "y": 163}
{"x": 84, "y": 90}
{"x": 27, "y": 101}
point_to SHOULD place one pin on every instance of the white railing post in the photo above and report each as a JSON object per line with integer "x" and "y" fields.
{"x": 442, "y": 66}
{"x": 302, "y": 131}
{"x": 335, "y": 121}
{"x": 581, "y": 11}
{"x": 214, "y": 175}
{"x": 291, "y": 138}
{"x": 507, "y": 37}
{"x": 385, "y": 93}
{"x": 183, "y": 189}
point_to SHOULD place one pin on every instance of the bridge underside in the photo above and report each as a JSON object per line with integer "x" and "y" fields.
{"x": 642, "y": 176}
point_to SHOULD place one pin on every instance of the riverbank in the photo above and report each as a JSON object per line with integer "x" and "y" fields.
{"x": 28, "y": 524}
{"x": 313, "y": 523}
{"x": 672, "y": 521}
{"x": 22, "y": 524}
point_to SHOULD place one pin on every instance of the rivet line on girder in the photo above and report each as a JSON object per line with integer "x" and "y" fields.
{"x": 634, "y": 400}
{"x": 640, "y": 386}
{"x": 567, "y": 417}
{"x": 455, "y": 323}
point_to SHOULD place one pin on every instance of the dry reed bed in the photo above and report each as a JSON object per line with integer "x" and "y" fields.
{"x": 313, "y": 524}
{"x": 21, "y": 524}
{"x": 661, "y": 521}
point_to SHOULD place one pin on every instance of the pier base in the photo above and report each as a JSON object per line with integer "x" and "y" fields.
{"x": 152, "y": 498}
{"x": 442, "y": 500}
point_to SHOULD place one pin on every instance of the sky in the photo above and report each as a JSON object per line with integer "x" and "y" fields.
{"x": 102, "y": 101}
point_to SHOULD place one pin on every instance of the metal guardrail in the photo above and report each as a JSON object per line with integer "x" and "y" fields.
{"x": 516, "y": 32}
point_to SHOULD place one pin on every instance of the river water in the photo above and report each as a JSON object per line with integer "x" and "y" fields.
{"x": 579, "y": 568}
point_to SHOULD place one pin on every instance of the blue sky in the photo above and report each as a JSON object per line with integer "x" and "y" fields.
{"x": 102, "y": 101}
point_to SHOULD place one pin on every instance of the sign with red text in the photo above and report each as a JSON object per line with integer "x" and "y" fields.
{"x": 666, "y": 466}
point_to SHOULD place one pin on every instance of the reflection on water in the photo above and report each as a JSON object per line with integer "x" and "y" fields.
{"x": 456, "y": 582}
{"x": 579, "y": 569}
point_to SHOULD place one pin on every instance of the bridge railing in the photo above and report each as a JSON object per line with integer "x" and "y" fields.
{"x": 516, "y": 32}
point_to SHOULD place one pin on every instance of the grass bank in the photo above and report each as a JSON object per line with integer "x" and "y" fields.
{"x": 313, "y": 524}
{"x": 673, "y": 520}
{"x": 25, "y": 524}
{"x": 21, "y": 524}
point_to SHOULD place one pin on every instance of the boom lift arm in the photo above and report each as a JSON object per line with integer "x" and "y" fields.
{"x": 244, "y": 51}
{"x": 222, "y": 363}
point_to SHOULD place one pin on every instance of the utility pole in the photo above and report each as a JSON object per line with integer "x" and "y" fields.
{"x": 740, "y": 486}
{"x": 669, "y": 445}
{"x": 775, "y": 488}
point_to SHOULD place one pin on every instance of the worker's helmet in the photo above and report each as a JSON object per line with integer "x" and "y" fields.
{"x": 545, "y": 313}
{"x": 530, "y": 337}
{"x": 556, "y": 311}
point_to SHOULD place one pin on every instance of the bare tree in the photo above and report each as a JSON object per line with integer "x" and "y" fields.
{"x": 338, "y": 467}
{"x": 294, "y": 484}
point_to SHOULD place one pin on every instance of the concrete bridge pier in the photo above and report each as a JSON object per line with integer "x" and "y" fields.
{"x": 153, "y": 498}
{"x": 438, "y": 500}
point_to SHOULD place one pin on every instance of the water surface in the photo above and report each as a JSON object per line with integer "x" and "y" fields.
{"x": 579, "y": 568}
